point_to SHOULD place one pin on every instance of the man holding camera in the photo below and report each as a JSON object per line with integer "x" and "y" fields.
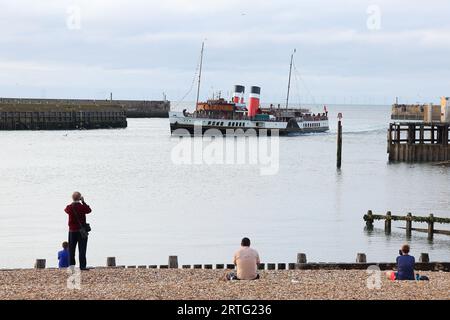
{"x": 78, "y": 228}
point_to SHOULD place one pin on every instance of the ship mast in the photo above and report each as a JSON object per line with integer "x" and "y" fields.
{"x": 289, "y": 82}
{"x": 200, "y": 74}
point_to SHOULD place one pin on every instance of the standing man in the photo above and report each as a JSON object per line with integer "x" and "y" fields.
{"x": 77, "y": 212}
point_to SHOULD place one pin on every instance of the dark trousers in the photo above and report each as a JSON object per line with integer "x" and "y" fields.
{"x": 74, "y": 239}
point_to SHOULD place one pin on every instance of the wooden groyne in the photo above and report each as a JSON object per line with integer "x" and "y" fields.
{"x": 361, "y": 263}
{"x": 409, "y": 219}
{"x": 418, "y": 142}
{"x": 60, "y": 116}
{"x": 133, "y": 108}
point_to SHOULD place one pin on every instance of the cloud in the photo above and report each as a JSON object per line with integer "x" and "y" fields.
{"x": 154, "y": 45}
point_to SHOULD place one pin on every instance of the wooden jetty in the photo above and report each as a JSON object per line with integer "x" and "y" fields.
{"x": 409, "y": 219}
{"x": 418, "y": 142}
{"x": 29, "y": 116}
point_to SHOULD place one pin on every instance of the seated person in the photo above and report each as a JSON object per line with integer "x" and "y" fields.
{"x": 405, "y": 266}
{"x": 63, "y": 256}
{"x": 246, "y": 260}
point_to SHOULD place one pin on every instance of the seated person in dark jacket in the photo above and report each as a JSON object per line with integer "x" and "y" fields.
{"x": 405, "y": 265}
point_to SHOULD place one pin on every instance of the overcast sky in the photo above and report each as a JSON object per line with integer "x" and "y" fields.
{"x": 354, "y": 51}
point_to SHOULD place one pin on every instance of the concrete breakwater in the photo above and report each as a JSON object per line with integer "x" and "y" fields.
{"x": 60, "y": 116}
{"x": 133, "y": 108}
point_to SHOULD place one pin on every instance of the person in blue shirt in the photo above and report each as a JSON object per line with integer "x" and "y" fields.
{"x": 63, "y": 256}
{"x": 405, "y": 265}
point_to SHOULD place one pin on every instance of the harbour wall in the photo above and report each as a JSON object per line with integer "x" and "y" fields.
{"x": 48, "y": 116}
{"x": 416, "y": 112}
{"x": 133, "y": 108}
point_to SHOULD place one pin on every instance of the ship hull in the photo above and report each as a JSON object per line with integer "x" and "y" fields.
{"x": 181, "y": 125}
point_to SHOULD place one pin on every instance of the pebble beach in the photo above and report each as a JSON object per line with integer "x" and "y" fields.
{"x": 181, "y": 284}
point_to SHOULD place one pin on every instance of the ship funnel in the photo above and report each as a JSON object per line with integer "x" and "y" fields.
{"x": 253, "y": 103}
{"x": 238, "y": 96}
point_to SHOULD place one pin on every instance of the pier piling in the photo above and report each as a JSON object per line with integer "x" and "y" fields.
{"x": 387, "y": 223}
{"x": 408, "y": 224}
{"x": 261, "y": 266}
{"x": 369, "y": 220}
{"x": 220, "y": 266}
{"x": 430, "y": 227}
{"x": 230, "y": 266}
{"x": 271, "y": 266}
{"x": 339, "y": 145}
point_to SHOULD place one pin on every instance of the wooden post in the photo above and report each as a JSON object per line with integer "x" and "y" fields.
{"x": 220, "y": 266}
{"x": 361, "y": 258}
{"x": 424, "y": 257}
{"x": 131, "y": 267}
{"x": 142, "y": 267}
{"x": 208, "y": 266}
{"x": 152, "y": 266}
{"x": 271, "y": 266}
{"x": 432, "y": 134}
{"x": 186, "y": 266}
{"x": 111, "y": 261}
{"x": 261, "y": 266}
{"x": 387, "y": 223}
{"x": 301, "y": 258}
{"x": 408, "y": 224}
{"x": 339, "y": 145}
{"x": 282, "y": 266}
{"x": 197, "y": 266}
{"x": 291, "y": 266}
{"x": 369, "y": 221}
{"x": 40, "y": 264}
{"x": 230, "y": 266}
{"x": 422, "y": 134}
{"x": 173, "y": 262}
{"x": 389, "y": 138}
{"x": 430, "y": 227}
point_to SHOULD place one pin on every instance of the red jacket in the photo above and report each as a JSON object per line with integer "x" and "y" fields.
{"x": 82, "y": 210}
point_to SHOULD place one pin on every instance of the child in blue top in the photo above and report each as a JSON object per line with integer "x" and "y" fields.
{"x": 405, "y": 264}
{"x": 63, "y": 256}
